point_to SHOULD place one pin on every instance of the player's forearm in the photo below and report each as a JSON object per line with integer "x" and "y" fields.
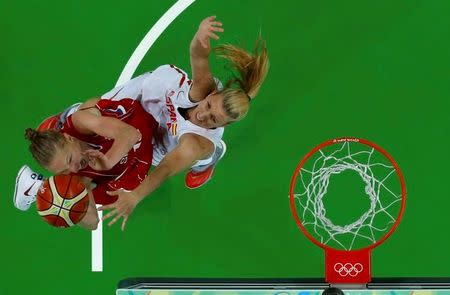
{"x": 123, "y": 143}
{"x": 199, "y": 60}
{"x": 196, "y": 49}
{"x": 201, "y": 73}
{"x": 152, "y": 181}
{"x": 171, "y": 165}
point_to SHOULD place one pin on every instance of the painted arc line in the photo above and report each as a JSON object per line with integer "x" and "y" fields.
{"x": 150, "y": 38}
{"x": 127, "y": 73}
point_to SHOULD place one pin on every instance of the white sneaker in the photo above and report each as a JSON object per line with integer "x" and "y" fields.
{"x": 27, "y": 185}
{"x": 222, "y": 150}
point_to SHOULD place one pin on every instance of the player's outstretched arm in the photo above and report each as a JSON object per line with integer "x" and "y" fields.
{"x": 191, "y": 148}
{"x": 203, "y": 82}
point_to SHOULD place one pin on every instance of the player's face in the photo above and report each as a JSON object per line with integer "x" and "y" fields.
{"x": 68, "y": 158}
{"x": 209, "y": 113}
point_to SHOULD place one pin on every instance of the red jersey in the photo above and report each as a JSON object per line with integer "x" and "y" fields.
{"x": 131, "y": 170}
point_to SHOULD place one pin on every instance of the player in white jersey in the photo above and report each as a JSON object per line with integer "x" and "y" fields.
{"x": 191, "y": 113}
{"x": 192, "y": 105}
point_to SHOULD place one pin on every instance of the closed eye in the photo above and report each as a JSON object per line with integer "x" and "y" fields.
{"x": 208, "y": 105}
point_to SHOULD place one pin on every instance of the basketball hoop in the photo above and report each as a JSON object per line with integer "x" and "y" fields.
{"x": 348, "y": 247}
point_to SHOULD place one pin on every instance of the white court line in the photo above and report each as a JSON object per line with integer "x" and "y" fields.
{"x": 127, "y": 73}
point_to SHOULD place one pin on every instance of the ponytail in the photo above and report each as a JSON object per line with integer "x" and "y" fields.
{"x": 251, "y": 68}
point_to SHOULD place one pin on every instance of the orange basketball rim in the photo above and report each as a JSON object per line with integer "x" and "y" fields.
{"x": 348, "y": 247}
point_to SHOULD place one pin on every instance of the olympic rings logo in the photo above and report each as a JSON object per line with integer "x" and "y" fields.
{"x": 348, "y": 269}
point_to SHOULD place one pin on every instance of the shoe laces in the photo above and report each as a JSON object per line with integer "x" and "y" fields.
{"x": 30, "y": 200}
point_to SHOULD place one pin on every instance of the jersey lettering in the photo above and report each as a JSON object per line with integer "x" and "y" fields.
{"x": 172, "y": 125}
{"x": 123, "y": 160}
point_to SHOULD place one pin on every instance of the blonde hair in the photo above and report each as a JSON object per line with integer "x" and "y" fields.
{"x": 43, "y": 144}
{"x": 252, "y": 70}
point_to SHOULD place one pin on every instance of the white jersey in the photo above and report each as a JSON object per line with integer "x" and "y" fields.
{"x": 162, "y": 92}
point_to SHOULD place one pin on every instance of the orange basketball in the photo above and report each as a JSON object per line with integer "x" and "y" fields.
{"x": 62, "y": 200}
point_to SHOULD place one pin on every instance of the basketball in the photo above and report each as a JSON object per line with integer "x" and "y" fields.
{"x": 62, "y": 200}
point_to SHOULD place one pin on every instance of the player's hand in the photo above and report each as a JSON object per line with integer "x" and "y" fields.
{"x": 206, "y": 30}
{"x": 98, "y": 160}
{"x": 123, "y": 207}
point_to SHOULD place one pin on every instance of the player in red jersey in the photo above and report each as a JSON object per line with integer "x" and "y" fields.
{"x": 105, "y": 142}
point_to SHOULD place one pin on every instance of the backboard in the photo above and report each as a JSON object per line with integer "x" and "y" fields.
{"x": 311, "y": 286}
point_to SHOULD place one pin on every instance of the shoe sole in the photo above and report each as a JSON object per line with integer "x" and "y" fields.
{"x": 224, "y": 150}
{"x": 195, "y": 187}
{"x": 15, "y": 188}
{"x": 221, "y": 156}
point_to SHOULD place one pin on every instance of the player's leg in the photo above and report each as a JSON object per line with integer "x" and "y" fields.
{"x": 202, "y": 173}
{"x": 90, "y": 220}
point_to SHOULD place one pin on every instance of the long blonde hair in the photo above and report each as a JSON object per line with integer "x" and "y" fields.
{"x": 251, "y": 68}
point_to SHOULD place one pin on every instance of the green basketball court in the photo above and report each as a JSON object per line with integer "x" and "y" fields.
{"x": 374, "y": 70}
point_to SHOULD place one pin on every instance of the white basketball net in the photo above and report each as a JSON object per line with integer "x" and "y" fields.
{"x": 312, "y": 184}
